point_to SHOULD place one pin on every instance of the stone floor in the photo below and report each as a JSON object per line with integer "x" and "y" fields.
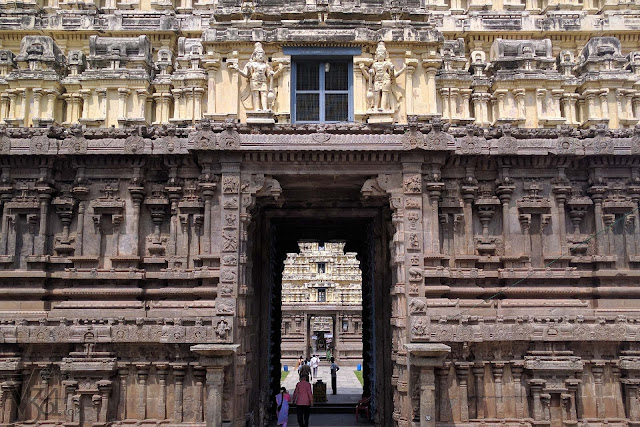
{"x": 349, "y": 392}
{"x": 329, "y": 420}
{"x": 348, "y": 383}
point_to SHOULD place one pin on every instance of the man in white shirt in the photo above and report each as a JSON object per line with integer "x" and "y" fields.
{"x": 314, "y": 365}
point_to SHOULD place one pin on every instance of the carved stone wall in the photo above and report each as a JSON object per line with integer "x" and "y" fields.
{"x": 501, "y": 136}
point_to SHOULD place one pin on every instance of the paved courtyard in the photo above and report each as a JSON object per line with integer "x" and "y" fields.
{"x": 348, "y": 383}
{"x": 329, "y": 420}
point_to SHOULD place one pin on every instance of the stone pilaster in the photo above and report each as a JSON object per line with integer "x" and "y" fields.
{"x": 426, "y": 357}
{"x": 142, "y": 372}
{"x": 179, "y": 372}
{"x": 462, "y": 372}
{"x": 214, "y": 357}
{"x": 478, "y": 373}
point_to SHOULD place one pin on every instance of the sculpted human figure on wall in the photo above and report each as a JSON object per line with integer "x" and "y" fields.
{"x": 383, "y": 93}
{"x": 261, "y": 78}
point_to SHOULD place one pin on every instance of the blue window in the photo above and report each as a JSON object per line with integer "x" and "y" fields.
{"x": 322, "y": 84}
{"x": 322, "y": 91}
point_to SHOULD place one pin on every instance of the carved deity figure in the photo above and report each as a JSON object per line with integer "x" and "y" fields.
{"x": 261, "y": 77}
{"x": 382, "y": 91}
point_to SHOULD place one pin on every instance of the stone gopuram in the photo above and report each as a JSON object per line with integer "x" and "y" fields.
{"x": 321, "y": 304}
{"x": 159, "y": 159}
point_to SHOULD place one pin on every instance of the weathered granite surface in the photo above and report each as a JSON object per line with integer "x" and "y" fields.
{"x": 137, "y": 190}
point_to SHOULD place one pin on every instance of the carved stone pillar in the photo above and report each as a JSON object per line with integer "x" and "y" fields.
{"x": 179, "y": 371}
{"x": 498, "y": 371}
{"x": 143, "y": 373}
{"x": 137, "y": 195}
{"x": 123, "y": 374}
{"x": 444, "y": 409}
{"x": 52, "y": 96}
{"x": 446, "y": 103}
{"x": 162, "y": 370}
{"x": 604, "y": 104}
{"x": 478, "y": 373}
{"x": 37, "y": 99}
{"x": 556, "y": 95}
{"x": 198, "y": 94}
{"x": 516, "y": 371}
{"x": 572, "y": 386}
{"x": 104, "y": 390}
{"x": 189, "y": 96}
{"x": 123, "y": 95}
{"x": 469, "y": 190}
{"x": 431, "y": 70}
{"x": 44, "y": 196}
{"x": 632, "y": 386}
{"x": 10, "y": 389}
{"x": 174, "y": 193}
{"x": 617, "y": 391}
{"x": 70, "y": 389}
{"x": 86, "y": 97}
{"x": 102, "y": 104}
{"x": 465, "y": 95}
{"x": 199, "y": 376}
{"x": 504, "y": 191}
{"x": 212, "y": 67}
{"x": 570, "y": 113}
{"x": 590, "y": 106}
{"x": 177, "y": 101}
{"x": 521, "y": 114}
{"x": 4, "y": 107}
{"x": 45, "y": 377}
{"x": 561, "y": 192}
{"x": 536, "y": 390}
{"x": 165, "y": 103}
{"x": 597, "y": 369}
{"x": 434, "y": 191}
{"x": 597, "y": 195}
{"x": 541, "y": 97}
{"x": 142, "y": 95}
{"x": 426, "y": 357}
{"x": 215, "y": 381}
{"x": 501, "y": 98}
{"x": 208, "y": 191}
{"x": 215, "y": 357}
{"x": 412, "y": 64}
{"x": 545, "y": 399}
{"x": 462, "y": 372}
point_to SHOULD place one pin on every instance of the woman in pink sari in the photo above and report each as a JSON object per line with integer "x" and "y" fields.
{"x": 282, "y": 400}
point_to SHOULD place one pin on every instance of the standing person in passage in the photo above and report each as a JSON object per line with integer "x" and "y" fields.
{"x": 314, "y": 365}
{"x": 334, "y": 376}
{"x": 305, "y": 369}
{"x": 299, "y": 365}
{"x": 303, "y": 398}
{"x": 282, "y": 400}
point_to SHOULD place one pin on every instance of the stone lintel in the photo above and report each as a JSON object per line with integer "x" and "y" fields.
{"x": 215, "y": 354}
{"x": 427, "y": 355}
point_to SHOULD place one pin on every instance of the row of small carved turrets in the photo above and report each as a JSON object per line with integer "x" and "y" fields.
{"x": 598, "y": 86}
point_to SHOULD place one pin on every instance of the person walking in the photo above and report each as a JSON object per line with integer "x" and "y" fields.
{"x": 299, "y": 364}
{"x": 314, "y": 365}
{"x": 303, "y": 399}
{"x": 334, "y": 376}
{"x": 305, "y": 369}
{"x": 282, "y": 400}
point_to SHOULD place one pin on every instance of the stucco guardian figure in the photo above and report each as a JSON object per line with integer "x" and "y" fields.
{"x": 383, "y": 94}
{"x": 261, "y": 77}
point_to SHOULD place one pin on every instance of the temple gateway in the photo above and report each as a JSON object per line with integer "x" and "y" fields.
{"x": 321, "y": 304}
{"x": 160, "y": 158}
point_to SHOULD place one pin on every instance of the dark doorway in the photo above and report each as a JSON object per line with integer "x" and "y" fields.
{"x": 366, "y": 232}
